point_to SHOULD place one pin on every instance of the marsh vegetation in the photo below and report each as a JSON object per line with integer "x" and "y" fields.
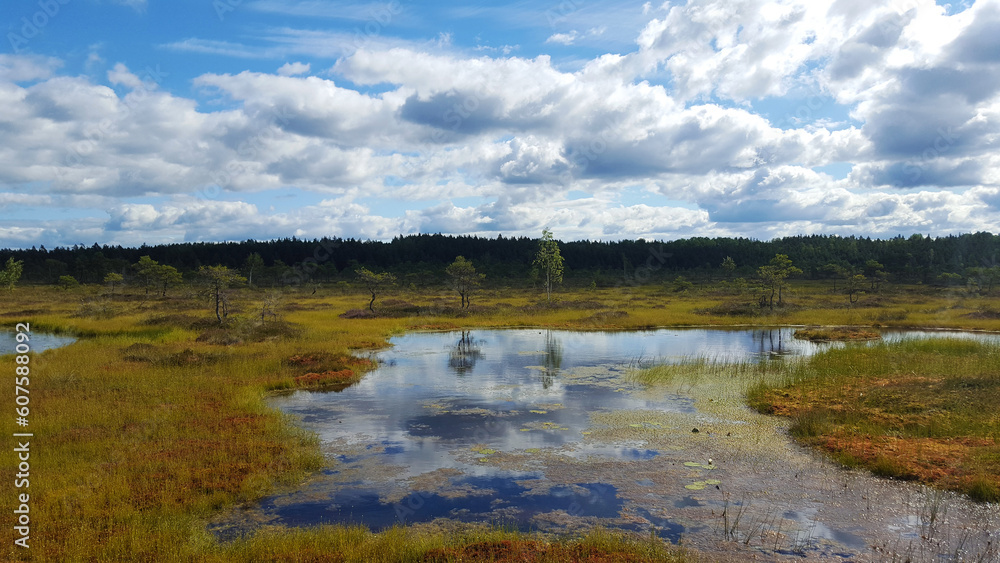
{"x": 156, "y": 419}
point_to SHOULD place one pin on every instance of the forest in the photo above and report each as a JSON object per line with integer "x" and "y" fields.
{"x": 419, "y": 260}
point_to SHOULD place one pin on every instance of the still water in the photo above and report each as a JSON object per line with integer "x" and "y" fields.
{"x": 38, "y": 341}
{"x": 546, "y": 430}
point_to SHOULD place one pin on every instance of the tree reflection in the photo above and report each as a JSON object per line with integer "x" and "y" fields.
{"x": 552, "y": 361}
{"x": 465, "y": 354}
{"x": 770, "y": 342}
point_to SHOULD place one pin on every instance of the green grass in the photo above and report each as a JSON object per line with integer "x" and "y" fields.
{"x": 156, "y": 419}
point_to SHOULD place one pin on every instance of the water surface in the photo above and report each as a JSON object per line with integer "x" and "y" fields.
{"x": 38, "y": 341}
{"x": 545, "y": 430}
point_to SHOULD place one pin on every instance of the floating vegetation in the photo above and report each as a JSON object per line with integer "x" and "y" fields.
{"x": 528, "y": 426}
{"x": 708, "y": 465}
{"x": 638, "y": 440}
{"x": 699, "y": 485}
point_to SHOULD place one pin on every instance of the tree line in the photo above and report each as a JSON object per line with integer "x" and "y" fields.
{"x": 421, "y": 260}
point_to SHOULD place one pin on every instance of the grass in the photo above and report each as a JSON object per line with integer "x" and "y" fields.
{"x": 156, "y": 419}
{"x": 922, "y": 410}
{"x": 481, "y": 543}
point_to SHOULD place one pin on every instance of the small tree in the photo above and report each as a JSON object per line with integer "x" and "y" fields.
{"x": 254, "y": 264}
{"x": 992, "y": 275}
{"x": 11, "y": 273}
{"x": 374, "y": 283}
{"x": 269, "y": 305}
{"x": 983, "y": 279}
{"x": 218, "y": 280}
{"x": 835, "y": 272}
{"x": 774, "y": 274}
{"x": 68, "y": 282}
{"x": 166, "y": 276}
{"x": 464, "y": 278}
{"x": 681, "y": 284}
{"x": 876, "y": 274}
{"x": 112, "y": 280}
{"x": 146, "y": 270}
{"x": 729, "y": 266}
{"x": 549, "y": 262}
{"x": 854, "y": 287}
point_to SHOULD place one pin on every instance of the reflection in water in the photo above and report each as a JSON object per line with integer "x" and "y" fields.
{"x": 39, "y": 342}
{"x": 771, "y": 342}
{"x": 543, "y": 429}
{"x": 552, "y": 361}
{"x": 465, "y": 354}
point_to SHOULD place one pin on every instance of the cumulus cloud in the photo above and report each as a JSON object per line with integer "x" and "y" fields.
{"x": 27, "y": 68}
{"x": 914, "y": 113}
{"x": 562, "y": 38}
{"x": 293, "y": 69}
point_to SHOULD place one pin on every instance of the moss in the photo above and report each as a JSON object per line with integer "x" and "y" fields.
{"x": 841, "y": 334}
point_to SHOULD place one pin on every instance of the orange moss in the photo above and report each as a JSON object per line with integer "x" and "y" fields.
{"x": 338, "y": 377}
{"x": 843, "y": 333}
{"x": 435, "y": 326}
{"x": 325, "y": 361}
{"x": 929, "y": 460}
{"x": 879, "y": 435}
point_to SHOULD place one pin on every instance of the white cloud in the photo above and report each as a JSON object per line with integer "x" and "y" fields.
{"x": 562, "y": 38}
{"x": 293, "y": 69}
{"x": 513, "y": 136}
{"x": 27, "y": 68}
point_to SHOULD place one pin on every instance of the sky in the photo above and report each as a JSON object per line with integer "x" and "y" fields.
{"x": 130, "y": 122}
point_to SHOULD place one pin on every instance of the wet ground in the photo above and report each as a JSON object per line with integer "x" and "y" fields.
{"x": 547, "y": 430}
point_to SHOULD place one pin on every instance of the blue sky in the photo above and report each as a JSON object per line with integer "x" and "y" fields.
{"x": 143, "y": 121}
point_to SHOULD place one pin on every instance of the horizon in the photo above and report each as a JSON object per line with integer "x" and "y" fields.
{"x": 132, "y": 122}
{"x": 77, "y": 247}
